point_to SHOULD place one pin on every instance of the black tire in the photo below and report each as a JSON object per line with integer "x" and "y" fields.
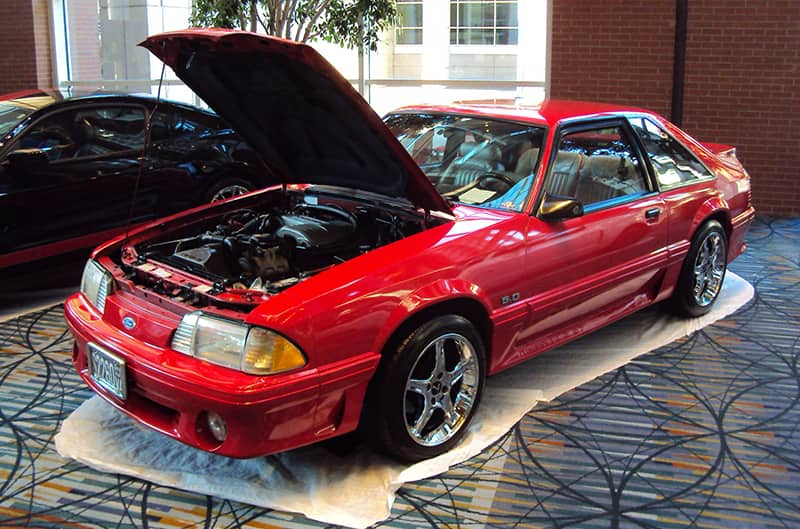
{"x": 228, "y": 187}
{"x": 703, "y": 272}
{"x": 412, "y": 389}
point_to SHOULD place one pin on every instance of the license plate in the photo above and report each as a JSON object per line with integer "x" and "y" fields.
{"x": 108, "y": 370}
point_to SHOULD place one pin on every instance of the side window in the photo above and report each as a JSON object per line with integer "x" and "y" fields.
{"x": 56, "y": 135}
{"x": 672, "y": 162}
{"x": 596, "y": 165}
{"x": 86, "y": 132}
{"x": 179, "y": 125}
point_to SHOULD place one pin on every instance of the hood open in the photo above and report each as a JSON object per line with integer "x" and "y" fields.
{"x": 308, "y": 124}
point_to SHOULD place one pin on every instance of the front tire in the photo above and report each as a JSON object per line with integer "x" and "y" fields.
{"x": 427, "y": 390}
{"x": 703, "y": 272}
{"x": 227, "y": 188}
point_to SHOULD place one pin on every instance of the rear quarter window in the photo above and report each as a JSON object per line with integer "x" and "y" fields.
{"x": 673, "y": 163}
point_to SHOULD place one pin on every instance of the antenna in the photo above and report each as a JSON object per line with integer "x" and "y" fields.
{"x": 146, "y": 147}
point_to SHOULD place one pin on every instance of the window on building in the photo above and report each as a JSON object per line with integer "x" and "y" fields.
{"x": 486, "y": 22}
{"x": 409, "y": 22}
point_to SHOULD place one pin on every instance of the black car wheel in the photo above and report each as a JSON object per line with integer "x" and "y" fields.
{"x": 427, "y": 391}
{"x": 703, "y": 272}
{"x": 227, "y": 188}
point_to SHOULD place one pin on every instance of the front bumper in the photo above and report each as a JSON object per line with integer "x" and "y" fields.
{"x": 172, "y": 393}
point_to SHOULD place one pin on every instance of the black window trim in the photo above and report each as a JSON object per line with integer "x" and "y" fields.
{"x": 584, "y": 124}
{"x": 712, "y": 175}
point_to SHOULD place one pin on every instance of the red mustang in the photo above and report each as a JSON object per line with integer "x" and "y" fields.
{"x": 400, "y": 264}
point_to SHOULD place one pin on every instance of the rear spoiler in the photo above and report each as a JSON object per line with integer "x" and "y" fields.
{"x": 720, "y": 149}
{"x": 725, "y": 153}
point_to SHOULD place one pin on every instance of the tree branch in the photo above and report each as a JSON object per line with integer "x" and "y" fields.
{"x": 272, "y": 13}
{"x": 322, "y": 6}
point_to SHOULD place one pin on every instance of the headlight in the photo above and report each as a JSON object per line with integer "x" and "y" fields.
{"x": 96, "y": 284}
{"x": 252, "y": 350}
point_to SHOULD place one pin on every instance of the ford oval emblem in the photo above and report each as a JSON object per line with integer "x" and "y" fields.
{"x": 128, "y": 322}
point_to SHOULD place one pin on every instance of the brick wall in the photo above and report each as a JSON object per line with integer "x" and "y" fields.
{"x": 742, "y": 76}
{"x": 743, "y": 88}
{"x": 617, "y": 51}
{"x": 25, "y": 56}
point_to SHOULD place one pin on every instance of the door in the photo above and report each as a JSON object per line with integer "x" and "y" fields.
{"x": 591, "y": 269}
{"x": 86, "y": 184}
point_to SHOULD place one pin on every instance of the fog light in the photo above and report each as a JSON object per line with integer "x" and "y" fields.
{"x": 217, "y": 426}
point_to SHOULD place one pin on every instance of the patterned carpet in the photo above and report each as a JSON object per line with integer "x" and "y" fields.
{"x": 701, "y": 433}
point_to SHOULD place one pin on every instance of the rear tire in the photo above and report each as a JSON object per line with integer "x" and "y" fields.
{"x": 427, "y": 390}
{"x": 703, "y": 272}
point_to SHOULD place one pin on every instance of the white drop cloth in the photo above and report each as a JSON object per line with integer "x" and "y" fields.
{"x": 358, "y": 490}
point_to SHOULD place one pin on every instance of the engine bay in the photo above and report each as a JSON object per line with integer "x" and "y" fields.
{"x": 264, "y": 250}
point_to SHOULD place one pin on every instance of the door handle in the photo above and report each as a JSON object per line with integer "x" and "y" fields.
{"x": 651, "y": 214}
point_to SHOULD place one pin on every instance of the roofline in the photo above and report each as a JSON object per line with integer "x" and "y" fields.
{"x": 550, "y": 112}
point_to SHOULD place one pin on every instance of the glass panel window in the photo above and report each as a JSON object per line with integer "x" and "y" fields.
{"x": 485, "y": 22}
{"x": 596, "y": 166}
{"x": 672, "y": 162}
{"x": 87, "y": 132}
{"x": 473, "y": 160}
{"x": 182, "y": 125}
{"x": 506, "y": 14}
{"x": 11, "y": 114}
{"x": 409, "y": 22}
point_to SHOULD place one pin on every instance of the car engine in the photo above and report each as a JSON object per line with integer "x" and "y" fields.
{"x": 273, "y": 250}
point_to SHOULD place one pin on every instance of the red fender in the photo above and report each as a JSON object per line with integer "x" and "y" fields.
{"x": 426, "y": 297}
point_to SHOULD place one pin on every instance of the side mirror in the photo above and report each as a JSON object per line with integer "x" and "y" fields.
{"x": 27, "y": 160}
{"x": 556, "y": 207}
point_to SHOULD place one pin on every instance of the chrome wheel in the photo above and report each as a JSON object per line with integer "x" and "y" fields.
{"x": 441, "y": 389}
{"x": 709, "y": 269}
{"x": 228, "y": 192}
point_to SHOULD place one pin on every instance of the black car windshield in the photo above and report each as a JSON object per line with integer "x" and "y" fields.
{"x": 11, "y": 115}
{"x": 472, "y": 160}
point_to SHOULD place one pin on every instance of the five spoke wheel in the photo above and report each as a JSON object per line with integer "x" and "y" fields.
{"x": 709, "y": 269}
{"x": 441, "y": 389}
{"x": 427, "y": 389}
{"x": 703, "y": 272}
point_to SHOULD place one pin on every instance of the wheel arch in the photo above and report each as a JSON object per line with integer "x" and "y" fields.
{"x": 469, "y": 307}
{"x": 713, "y": 209}
{"x": 383, "y": 434}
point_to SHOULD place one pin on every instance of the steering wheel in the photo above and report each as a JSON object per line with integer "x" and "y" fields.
{"x": 507, "y": 180}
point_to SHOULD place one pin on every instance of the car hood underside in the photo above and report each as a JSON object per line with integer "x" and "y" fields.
{"x": 304, "y": 119}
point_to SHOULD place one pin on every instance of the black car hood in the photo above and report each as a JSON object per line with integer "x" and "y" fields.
{"x": 305, "y": 121}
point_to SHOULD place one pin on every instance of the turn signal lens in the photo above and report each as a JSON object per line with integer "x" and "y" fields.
{"x": 269, "y": 352}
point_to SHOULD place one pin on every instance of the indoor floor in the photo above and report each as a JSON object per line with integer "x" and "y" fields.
{"x": 701, "y": 433}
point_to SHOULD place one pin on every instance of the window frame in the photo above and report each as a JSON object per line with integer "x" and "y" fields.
{"x": 458, "y": 27}
{"x": 584, "y": 125}
{"x": 532, "y": 196}
{"x": 654, "y": 174}
{"x": 212, "y": 123}
{"x": 14, "y": 144}
{"x": 398, "y": 27}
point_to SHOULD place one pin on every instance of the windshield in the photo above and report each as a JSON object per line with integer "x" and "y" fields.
{"x": 472, "y": 160}
{"x": 11, "y": 115}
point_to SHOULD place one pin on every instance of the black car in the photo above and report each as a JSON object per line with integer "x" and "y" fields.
{"x": 71, "y": 165}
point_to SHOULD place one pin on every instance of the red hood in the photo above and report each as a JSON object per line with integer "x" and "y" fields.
{"x": 304, "y": 119}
